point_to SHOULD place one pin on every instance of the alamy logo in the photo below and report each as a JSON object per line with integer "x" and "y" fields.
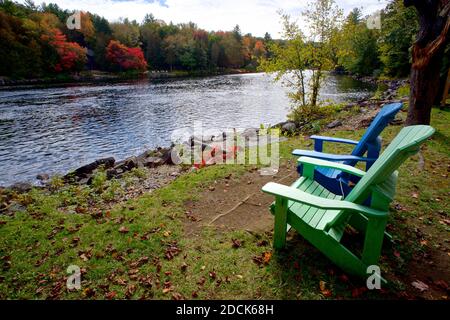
{"x": 74, "y": 21}
{"x": 374, "y": 280}
{"x": 74, "y": 280}
{"x": 374, "y": 21}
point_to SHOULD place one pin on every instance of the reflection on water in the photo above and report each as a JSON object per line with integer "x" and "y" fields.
{"x": 55, "y": 130}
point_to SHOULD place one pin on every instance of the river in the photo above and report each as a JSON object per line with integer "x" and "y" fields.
{"x": 57, "y": 129}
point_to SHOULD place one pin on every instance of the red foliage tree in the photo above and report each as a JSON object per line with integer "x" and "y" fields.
{"x": 125, "y": 58}
{"x": 71, "y": 56}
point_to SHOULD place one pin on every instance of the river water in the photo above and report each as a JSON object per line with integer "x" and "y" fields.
{"x": 55, "y": 130}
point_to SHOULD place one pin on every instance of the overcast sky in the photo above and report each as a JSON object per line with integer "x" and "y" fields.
{"x": 253, "y": 16}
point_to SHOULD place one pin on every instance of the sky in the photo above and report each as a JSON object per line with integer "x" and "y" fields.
{"x": 253, "y": 16}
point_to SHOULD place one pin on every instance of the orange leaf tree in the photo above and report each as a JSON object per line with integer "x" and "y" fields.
{"x": 124, "y": 58}
{"x": 71, "y": 56}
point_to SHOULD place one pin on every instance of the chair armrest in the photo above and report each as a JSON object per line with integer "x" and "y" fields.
{"x": 335, "y": 140}
{"x": 330, "y": 157}
{"x": 299, "y": 196}
{"x": 310, "y": 164}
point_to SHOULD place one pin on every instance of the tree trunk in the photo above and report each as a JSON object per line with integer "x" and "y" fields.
{"x": 427, "y": 54}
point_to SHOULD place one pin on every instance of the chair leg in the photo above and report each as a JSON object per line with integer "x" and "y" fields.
{"x": 374, "y": 240}
{"x": 280, "y": 230}
{"x": 359, "y": 222}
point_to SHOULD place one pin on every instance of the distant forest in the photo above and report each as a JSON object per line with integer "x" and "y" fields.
{"x": 36, "y": 42}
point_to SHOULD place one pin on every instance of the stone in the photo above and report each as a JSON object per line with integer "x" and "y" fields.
{"x": 85, "y": 171}
{"x": 153, "y": 162}
{"x": 111, "y": 173}
{"x": 334, "y": 124}
{"x": 21, "y": 187}
{"x": 128, "y": 165}
{"x": 43, "y": 177}
{"x": 251, "y": 132}
{"x": 289, "y": 127}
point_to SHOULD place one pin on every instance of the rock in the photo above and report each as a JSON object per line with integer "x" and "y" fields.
{"x": 87, "y": 170}
{"x": 171, "y": 157}
{"x": 128, "y": 165}
{"x": 145, "y": 155}
{"x": 289, "y": 127}
{"x": 251, "y": 132}
{"x": 153, "y": 162}
{"x": 334, "y": 124}
{"x": 21, "y": 187}
{"x": 111, "y": 173}
{"x": 43, "y": 177}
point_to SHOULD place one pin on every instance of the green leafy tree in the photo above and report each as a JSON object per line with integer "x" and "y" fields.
{"x": 357, "y": 46}
{"x": 300, "y": 62}
{"x": 399, "y": 29}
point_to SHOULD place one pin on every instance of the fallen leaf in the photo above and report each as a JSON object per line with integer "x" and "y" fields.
{"x": 212, "y": 275}
{"x": 184, "y": 267}
{"x": 419, "y": 285}
{"x": 323, "y": 289}
{"x": 111, "y": 295}
{"x": 131, "y": 289}
{"x": 236, "y": 243}
{"x": 177, "y": 296}
{"x": 88, "y": 292}
{"x": 262, "y": 243}
{"x": 124, "y": 230}
{"x": 167, "y": 234}
{"x": 442, "y": 284}
{"x": 322, "y": 285}
{"x": 357, "y": 292}
{"x": 194, "y": 294}
{"x": 267, "y": 257}
{"x": 415, "y": 195}
{"x": 202, "y": 281}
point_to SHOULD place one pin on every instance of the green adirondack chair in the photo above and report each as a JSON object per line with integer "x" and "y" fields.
{"x": 321, "y": 216}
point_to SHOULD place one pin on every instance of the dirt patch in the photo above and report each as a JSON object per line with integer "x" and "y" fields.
{"x": 237, "y": 203}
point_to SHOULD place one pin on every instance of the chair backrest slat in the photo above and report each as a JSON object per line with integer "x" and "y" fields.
{"x": 407, "y": 143}
{"x": 381, "y": 121}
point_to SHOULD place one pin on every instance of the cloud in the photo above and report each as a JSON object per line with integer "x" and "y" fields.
{"x": 253, "y": 16}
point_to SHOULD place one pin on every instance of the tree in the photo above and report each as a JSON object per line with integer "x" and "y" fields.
{"x": 126, "y": 32}
{"x": 124, "y": 58}
{"x": 427, "y": 56}
{"x": 399, "y": 27}
{"x": 291, "y": 60}
{"x": 357, "y": 46}
{"x": 71, "y": 56}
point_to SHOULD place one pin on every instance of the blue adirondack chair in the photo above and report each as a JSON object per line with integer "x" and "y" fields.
{"x": 336, "y": 180}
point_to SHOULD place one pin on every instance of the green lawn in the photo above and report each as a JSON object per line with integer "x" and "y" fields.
{"x": 138, "y": 249}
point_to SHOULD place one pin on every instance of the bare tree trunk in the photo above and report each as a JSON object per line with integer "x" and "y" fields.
{"x": 427, "y": 54}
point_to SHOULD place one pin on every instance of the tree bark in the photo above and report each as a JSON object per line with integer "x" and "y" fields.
{"x": 427, "y": 56}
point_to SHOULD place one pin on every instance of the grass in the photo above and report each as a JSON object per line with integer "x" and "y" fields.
{"x": 138, "y": 249}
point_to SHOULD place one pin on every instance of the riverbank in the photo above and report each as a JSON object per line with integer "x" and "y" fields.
{"x": 167, "y": 242}
{"x": 98, "y": 77}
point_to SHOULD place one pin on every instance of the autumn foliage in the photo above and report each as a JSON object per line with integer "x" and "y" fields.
{"x": 71, "y": 56}
{"x": 125, "y": 58}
